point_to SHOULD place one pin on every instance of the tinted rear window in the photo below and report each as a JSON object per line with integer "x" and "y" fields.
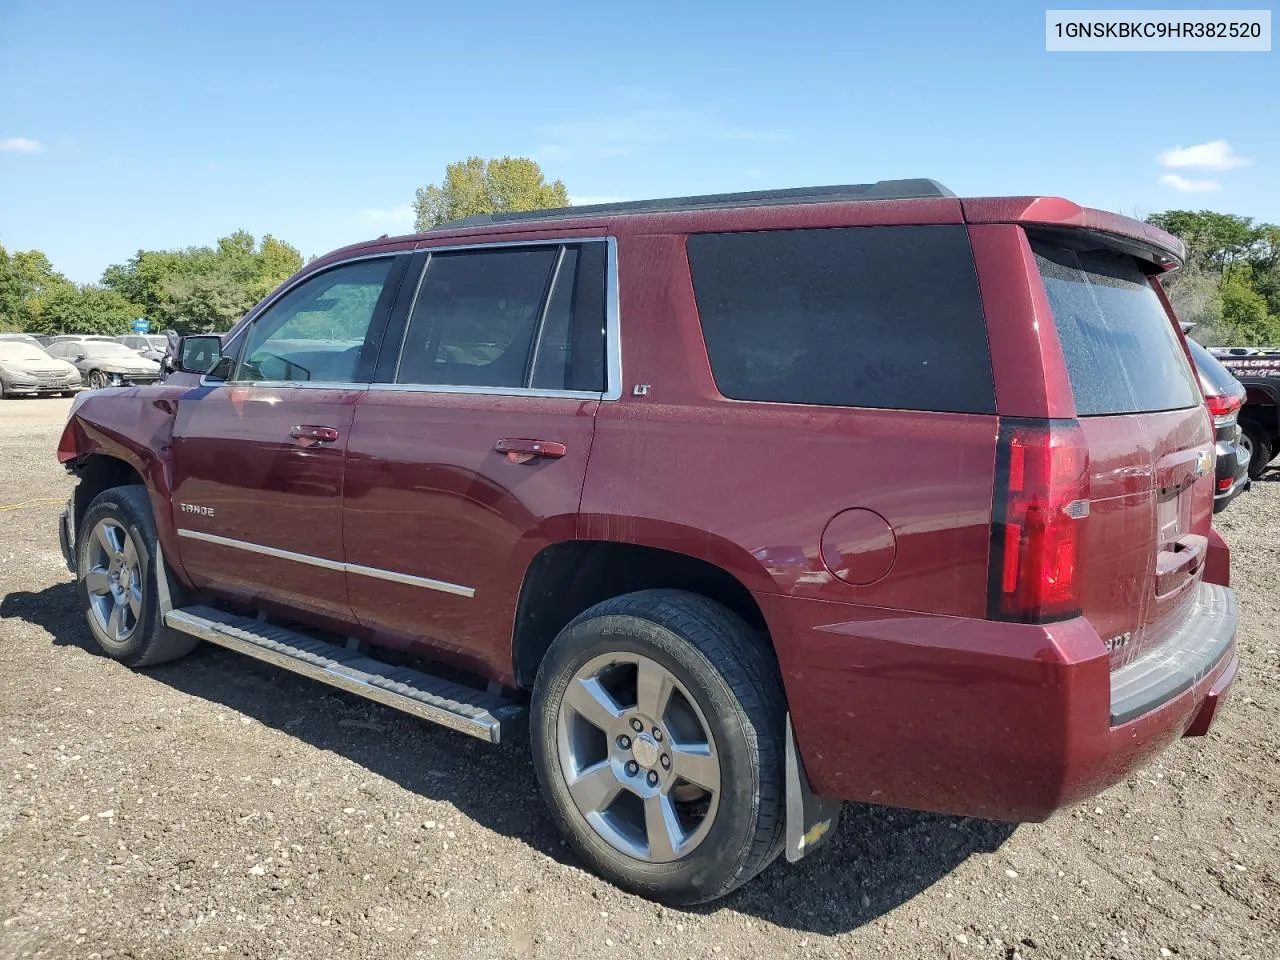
{"x": 1122, "y": 353}
{"x": 884, "y": 317}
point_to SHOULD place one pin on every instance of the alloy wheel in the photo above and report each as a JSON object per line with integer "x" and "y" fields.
{"x": 638, "y": 757}
{"x": 114, "y": 580}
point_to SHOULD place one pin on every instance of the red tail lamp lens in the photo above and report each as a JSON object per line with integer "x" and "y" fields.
{"x": 1039, "y": 510}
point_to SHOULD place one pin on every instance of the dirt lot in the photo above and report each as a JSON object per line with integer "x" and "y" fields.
{"x": 217, "y": 806}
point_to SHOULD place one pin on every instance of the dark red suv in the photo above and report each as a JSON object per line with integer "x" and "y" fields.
{"x": 748, "y": 504}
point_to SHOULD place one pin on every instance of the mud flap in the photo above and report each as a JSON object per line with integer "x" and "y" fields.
{"x": 811, "y": 820}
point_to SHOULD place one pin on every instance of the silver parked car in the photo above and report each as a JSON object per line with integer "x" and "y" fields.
{"x": 26, "y": 370}
{"x": 150, "y": 346}
{"x": 106, "y": 363}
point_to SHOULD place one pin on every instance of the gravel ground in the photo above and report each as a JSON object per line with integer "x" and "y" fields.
{"x": 218, "y": 806}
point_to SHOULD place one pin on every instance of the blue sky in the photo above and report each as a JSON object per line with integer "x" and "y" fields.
{"x": 153, "y": 125}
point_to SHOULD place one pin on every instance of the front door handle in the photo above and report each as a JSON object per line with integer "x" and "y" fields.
{"x": 309, "y": 436}
{"x": 522, "y": 451}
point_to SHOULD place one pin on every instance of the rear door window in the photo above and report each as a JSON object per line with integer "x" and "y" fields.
{"x": 886, "y": 317}
{"x": 510, "y": 319}
{"x": 1122, "y": 353}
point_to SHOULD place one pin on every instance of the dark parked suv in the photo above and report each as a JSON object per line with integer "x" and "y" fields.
{"x": 741, "y": 505}
{"x": 1223, "y": 395}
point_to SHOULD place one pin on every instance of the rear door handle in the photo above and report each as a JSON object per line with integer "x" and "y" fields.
{"x": 522, "y": 451}
{"x": 312, "y": 435}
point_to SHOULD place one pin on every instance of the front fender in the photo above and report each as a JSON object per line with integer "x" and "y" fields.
{"x": 135, "y": 426}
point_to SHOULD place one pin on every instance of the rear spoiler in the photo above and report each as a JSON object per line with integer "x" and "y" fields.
{"x": 1142, "y": 240}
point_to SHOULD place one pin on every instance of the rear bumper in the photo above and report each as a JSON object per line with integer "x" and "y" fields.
{"x": 979, "y": 718}
{"x": 1232, "y": 469}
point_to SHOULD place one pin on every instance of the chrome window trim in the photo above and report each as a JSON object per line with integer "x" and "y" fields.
{"x": 267, "y": 302}
{"x": 443, "y": 586}
{"x": 487, "y": 391}
{"x": 613, "y": 326}
{"x": 283, "y": 384}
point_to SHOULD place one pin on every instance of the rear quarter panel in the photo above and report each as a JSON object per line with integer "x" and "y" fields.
{"x": 751, "y": 486}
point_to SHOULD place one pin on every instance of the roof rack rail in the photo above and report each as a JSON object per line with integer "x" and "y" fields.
{"x": 916, "y": 189}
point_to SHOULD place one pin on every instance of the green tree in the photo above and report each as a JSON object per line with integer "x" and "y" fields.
{"x": 204, "y": 303}
{"x": 475, "y": 186}
{"x": 1213, "y": 240}
{"x": 88, "y": 309}
{"x": 27, "y": 280}
{"x": 1244, "y": 311}
{"x": 204, "y": 288}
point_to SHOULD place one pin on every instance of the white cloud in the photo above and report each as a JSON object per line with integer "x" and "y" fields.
{"x": 1214, "y": 155}
{"x": 622, "y": 135}
{"x": 401, "y": 216}
{"x": 1184, "y": 185}
{"x": 586, "y": 200}
{"x": 21, "y": 145}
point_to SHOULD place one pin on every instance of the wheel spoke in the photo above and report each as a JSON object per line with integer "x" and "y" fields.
{"x": 131, "y": 552}
{"x": 661, "y": 827}
{"x": 595, "y": 788}
{"x": 96, "y": 581}
{"x": 108, "y": 538}
{"x": 695, "y": 763}
{"x": 135, "y": 601}
{"x": 592, "y": 702}
{"x": 115, "y": 623}
{"x": 653, "y": 689}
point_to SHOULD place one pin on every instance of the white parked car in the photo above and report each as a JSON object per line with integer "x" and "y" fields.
{"x": 26, "y": 370}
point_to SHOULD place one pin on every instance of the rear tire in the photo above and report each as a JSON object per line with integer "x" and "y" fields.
{"x": 1259, "y": 444}
{"x": 720, "y": 720}
{"x": 116, "y": 578}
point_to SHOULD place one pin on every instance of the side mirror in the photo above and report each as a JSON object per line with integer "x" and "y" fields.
{"x": 199, "y": 354}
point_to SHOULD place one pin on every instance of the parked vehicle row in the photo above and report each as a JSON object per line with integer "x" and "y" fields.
{"x": 44, "y": 366}
{"x": 743, "y": 506}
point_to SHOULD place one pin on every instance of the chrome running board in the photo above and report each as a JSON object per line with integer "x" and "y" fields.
{"x": 441, "y": 701}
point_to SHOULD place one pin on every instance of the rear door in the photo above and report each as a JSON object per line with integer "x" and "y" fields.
{"x": 258, "y": 458}
{"x": 1149, "y": 440}
{"x": 468, "y": 455}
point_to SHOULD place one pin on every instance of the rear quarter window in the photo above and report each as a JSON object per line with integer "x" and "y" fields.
{"x": 1122, "y": 352}
{"x": 886, "y": 317}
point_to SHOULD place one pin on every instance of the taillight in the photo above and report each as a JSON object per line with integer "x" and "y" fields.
{"x": 1037, "y": 518}
{"x": 1221, "y": 408}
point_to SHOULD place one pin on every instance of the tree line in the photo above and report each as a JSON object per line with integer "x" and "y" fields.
{"x": 192, "y": 290}
{"x": 1230, "y": 285}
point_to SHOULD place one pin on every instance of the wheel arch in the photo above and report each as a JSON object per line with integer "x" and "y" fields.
{"x": 122, "y": 438}
{"x": 567, "y": 577}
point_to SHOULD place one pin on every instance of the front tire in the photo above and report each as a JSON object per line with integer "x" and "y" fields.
{"x": 116, "y": 573}
{"x": 97, "y": 380}
{"x": 658, "y": 723}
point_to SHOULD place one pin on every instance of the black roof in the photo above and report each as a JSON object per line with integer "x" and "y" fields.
{"x": 917, "y": 189}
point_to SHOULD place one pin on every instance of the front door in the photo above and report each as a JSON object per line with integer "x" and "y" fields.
{"x": 258, "y": 458}
{"x": 469, "y": 454}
